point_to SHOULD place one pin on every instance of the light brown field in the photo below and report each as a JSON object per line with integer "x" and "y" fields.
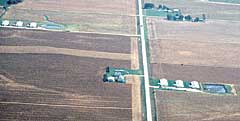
{"x": 187, "y": 106}
{"x": 119, "y": 7}
{"x": 214, "y": 43}
{"x": 198, "y": 7}
{"x": 63, "y": 51}
{"x": 205, "y": 52}
{"x": 136, "y": 83}
{"x": 91, "y": 16}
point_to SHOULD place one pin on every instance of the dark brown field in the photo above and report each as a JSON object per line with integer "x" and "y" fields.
{"x": 187, "y": 106}
{"x": 56, "y": 87}
{"x": 53, "y": 87}
{"x": 96, "y": 42}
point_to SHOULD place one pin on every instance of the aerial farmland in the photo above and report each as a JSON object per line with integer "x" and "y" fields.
{"x": 119, "y": 60}
{"x": 213, "y": 10}
{"x": 110, "y": 16}
{"x": 52, "y": 75}
{"x": 204, "y": 51}
{"x": 187, "y": 106}
{"x": 56, "y": 87}
{"x": 38, "y": 79}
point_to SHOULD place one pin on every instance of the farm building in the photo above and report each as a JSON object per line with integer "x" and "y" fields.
{"x": 195, "y": 86}
{"x": 5, "y": 23}
{"x": 33, "y": 25}
{"x": 19, "y": 24}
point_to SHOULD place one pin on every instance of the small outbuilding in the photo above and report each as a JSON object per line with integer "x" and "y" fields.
{"x": 5, "y": 23}
{"x": 176, "y": 10}
{"x": 19, "y": 24}
{"x": 33, "y": 25}
{"x": 111, "y": 79}
{"x": 195, "y": 84}
{"x": 163, "y": 82}
{"x": 179, "y": 83}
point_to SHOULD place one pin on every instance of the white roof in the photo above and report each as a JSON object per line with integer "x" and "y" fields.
{"x": 169, "y": 11}
{"x": 165, "y": 10}
{"x": 19, "y": 23}
{"x": 163, "y": 82}
{"x": 33, "y": 24}
{"x": 5, "y": 22}
{"x": 111, "y": 78}
{"x": 176, "y": 9}
{"x": 179, "y": 83}
{"x": 195, "y": 84}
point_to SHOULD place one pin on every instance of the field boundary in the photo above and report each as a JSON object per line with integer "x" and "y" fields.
{"x": 136, "y": 83}
{"x": 60, "y": 105}
{"x": 63, "y": 51}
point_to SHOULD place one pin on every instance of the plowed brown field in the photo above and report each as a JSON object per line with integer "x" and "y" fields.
{"x": 45, "y": 85}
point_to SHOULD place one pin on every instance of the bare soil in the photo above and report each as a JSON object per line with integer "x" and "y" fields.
{"x": 135, "y": 83}
{"x": 187, "y": 106}
{"x": 91, "y": 6}
{"x": 57, "y": 87}
{"x": 205, "y": 52}
{"x": 112, "y": 16}
{"x": 206, "y": 44}
{"x": 54, "y": 87}
{"x": 63, "y": 51}
{"x": 93, "y": 42}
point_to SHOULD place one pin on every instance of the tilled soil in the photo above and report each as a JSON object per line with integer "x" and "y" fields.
{"x": 187, "y": 106}
{"x": 96, "y": 42}
{"x": 111, "y": 16}
{"x": 57, "y": 87}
